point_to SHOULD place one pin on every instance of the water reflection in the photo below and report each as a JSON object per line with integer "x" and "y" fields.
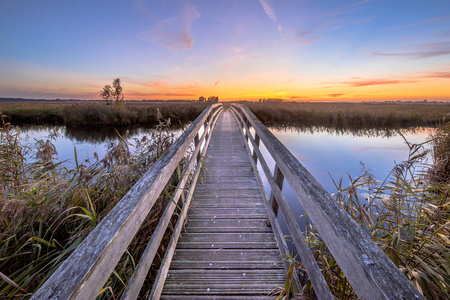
{"x": 94, "y": 135}
{"x": 333, "y": 153}
{"x": 357, "y": 132}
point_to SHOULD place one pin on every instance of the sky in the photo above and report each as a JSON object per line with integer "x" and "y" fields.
{"x": 301, "y": 50}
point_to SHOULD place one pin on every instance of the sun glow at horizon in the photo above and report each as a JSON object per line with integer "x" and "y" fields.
{"x": 308, "y": 51}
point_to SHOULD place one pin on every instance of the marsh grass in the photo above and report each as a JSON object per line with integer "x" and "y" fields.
{"x": 98, "y": 113}
{"x": 350, "y": 115}
{"x": 46, "y": 209}
{"x": 407, "y": 215}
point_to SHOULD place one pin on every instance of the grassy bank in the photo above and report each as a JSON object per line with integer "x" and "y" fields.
{"x": 350, "y": 115}
{"x": 98, "y": 114}
{"x": 46, "y": 209}
{"x": 407, "y": 214}
{"x": 336, "y": 115}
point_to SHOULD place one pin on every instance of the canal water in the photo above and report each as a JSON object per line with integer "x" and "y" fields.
{"x": 327, "y": 153}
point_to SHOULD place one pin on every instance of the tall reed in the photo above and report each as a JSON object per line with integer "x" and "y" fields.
{"x": 46, "y": 208}
{"x": 407, "y": 215}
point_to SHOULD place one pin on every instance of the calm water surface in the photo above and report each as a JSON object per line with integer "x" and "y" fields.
{"x": 327, "y": 152}
{"x": 334, "y": 154}
{"x": 85, "y": 141}
{"x": 324, "y": 152}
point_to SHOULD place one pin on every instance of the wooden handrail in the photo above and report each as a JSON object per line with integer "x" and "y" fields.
{"x": 320, "y": 286}
{"x": 83, "y": 274}
{"x": 135, "y": 283}
{"x": 370, "y": 272}
{"x": 272, "y": 218}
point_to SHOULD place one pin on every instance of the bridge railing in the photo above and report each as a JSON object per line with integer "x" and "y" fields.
{"x": 370, "y": 272}
{"x": 83, "y": 274}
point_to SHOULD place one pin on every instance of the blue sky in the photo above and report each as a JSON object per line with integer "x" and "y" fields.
{"x": 295, "y": 50}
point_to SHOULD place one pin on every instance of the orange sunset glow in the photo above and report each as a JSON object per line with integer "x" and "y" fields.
{"x": 297, "y": 51}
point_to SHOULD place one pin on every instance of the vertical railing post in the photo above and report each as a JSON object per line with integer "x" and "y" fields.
{"x": 206, "y": 126}
{"x": 196, "y": 140}
{"x": 279, "y": 178}
{"x": 246, "y": 129}
{"x": 180, "y": 174}
{"x": 257, "y": 140}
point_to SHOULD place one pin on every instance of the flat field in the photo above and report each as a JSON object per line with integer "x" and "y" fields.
{"x": 351, "y": 115}
{"x": 336, "y": 115}
{"x": 79, "y": 114}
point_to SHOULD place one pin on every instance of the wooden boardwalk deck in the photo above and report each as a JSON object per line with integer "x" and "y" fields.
{"x": 227, "y": 250}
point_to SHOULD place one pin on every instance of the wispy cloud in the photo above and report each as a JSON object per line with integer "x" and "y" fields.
{"x": 417, "y": 77}
{"x": 271, "y": 14}
{"x": 174, "y": 33}
{"x": 157, "y": 95}
{"x": 307, "y": 41}
{"x": 345, "y": 9}
{"x": 423, "y": 54}
{"x": 335, "y": 95}
{"x": 150, "y": 84}
{"x": 217, "y": 82}
{"x": 367, "y": 82}
{"x": 315, "y": 32}
{"x": 438, "y": 74}
{"x": 421, "y": 51}
{"x": 422, "y": 22}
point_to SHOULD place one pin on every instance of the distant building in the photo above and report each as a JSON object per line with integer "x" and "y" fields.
{"x": 201, "y": 99}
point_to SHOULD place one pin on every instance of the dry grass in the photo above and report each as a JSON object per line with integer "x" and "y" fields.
{"x": 47, "y": 209}
{"x": 98, "y": 113}
{"x": 407, "y": 215}
{"x": 350, "y": 115}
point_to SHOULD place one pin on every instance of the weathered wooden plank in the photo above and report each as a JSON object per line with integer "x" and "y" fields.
{"x": 235, "y": 223}
{"x": 227, "y": 186}
{"x": 230, "y": 180}
{"x": 228, "y": 171}
{"x": 219, "y": 288}
{"x": 211, "y": 211}
{"x": 248, "y": 178}
{"x": 370, "y": 272}
{"x": 180, "y": 274}
{"x": 226, "y": 255}
{"x": 229, "y": 237}
{"x": 227, "y": 229}
{"x": 227, "y": 193}
{"x": 219, "y": 297}
{"x": 257, "y": 265}
{"x": 228, "y": 245}
{"x": 199, "y": 204}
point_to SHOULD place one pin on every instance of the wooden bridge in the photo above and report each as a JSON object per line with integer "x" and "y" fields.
{"x": 227, "y": 242}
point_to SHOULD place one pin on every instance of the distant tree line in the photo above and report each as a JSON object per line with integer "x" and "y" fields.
{"x": 213, "y": 99}
{"x": 271, "y": 100}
